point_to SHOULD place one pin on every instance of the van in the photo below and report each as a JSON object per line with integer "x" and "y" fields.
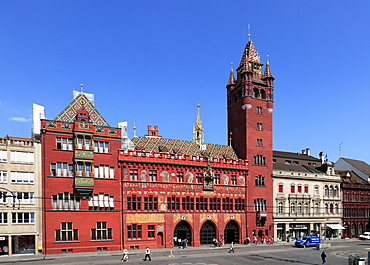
{"x": 308, "y": 241}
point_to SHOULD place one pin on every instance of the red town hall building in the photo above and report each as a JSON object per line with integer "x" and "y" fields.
{"x": 100, "y": 194}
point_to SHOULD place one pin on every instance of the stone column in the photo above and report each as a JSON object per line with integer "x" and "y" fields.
{"x": 10, "y": 250}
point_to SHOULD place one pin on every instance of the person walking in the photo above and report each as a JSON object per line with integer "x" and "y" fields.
{"x": 255, "y": 241}
{"x": 323, "y": 258}
{"x": 232, "y": 248}
{"x": 147, "y": 254}
{"x": 125, "y": 255}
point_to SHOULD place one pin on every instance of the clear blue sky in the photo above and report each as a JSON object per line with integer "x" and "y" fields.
{"x": 153, "y": 61}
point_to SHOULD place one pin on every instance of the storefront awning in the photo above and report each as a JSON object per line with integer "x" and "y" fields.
{"x": 335, "y": 226}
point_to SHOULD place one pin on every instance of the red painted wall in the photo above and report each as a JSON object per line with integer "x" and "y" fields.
{"x": 84, "y": 219}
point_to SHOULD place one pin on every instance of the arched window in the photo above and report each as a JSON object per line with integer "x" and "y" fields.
{"x": 292, "y": 207}
{"x": 305, "y": 208}
{"x": 346, "y": 196}
{"x": 326, "y": 208}
{"x": 316, "y": 190}
{"x": 353, "y": 230}
{"x": 336, "y": 209}
{"x": 280, "y": 207}
{"x": 360, "y": 229}
{"x": 354, "y": 197}
{"x": 331, "y": 208}
{"x": 331, "y": 191}
{"x": 316, "y": 208}
{"x": 299, "y": 207}
{"x": 256, "y": 93}
{"x": 361, "y": 198}
{"x": 326, "y": 191}
{"x": 263, "y": 94}
{"x": 335, "y": 191}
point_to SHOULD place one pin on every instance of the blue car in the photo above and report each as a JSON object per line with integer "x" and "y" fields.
{"x": 308, "y": 241}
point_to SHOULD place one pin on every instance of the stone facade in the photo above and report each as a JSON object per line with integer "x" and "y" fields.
{"x": 20, "y": 184}
{"x": 307, "y": 196}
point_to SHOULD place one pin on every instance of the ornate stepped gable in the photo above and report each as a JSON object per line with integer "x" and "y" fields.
{"x": 182, "y": 147}
{"x": 70, "y": 112}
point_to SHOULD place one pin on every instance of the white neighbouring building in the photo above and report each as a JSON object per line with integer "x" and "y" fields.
{"x": 20, "y": 202}
{"x": 307, "y": 196}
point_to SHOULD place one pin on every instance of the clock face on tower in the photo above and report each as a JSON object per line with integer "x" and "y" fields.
{"x": 208, "y": 179}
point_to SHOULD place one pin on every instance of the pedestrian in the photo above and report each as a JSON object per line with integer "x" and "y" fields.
{"x": 221, "y": 242}
{"x": 124, "y": 255}
{"x": 248, "y": 240}
{"x": 215, "y": 242}
{"x": 255, "y": 241}
{"x": 323, "y": 257}
{"x": 231, "y": 247}
{"x": 185, "y": 243}
{"x": 147, "y": 254}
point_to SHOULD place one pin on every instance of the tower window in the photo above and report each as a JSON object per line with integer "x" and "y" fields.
{"x": 259, "y": 110}
{"x": 259, "y": 142}
{"x": 263, "y": 94}
{"x": 236, "y": 129}
{"x": 259, "y": 126}
{"x": 259, "y": 160}
{"x": 236, "y": 113}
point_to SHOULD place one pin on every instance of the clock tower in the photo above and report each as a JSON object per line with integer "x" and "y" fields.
{"x": 250, "y": 100}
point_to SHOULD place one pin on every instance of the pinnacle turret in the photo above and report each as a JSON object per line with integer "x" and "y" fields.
{"x": 198, "y": 135}
{"x": 231, "y": 78}
{"x": 267, "y": 71}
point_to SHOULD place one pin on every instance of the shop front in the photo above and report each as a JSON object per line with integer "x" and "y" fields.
{"x": 14, "y": 244}
{"x": 296, "y": 231}
{"x": 4, "y": 249}
{"x": 23, "y": 244}
{"x": 280, "y": 233}
{"x": 334, "y": 230}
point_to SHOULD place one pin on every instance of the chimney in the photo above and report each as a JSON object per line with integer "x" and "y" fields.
{"x": 152, "y": 132}
{"x": 308, "y": 151}
{"x": 321, "y": 155}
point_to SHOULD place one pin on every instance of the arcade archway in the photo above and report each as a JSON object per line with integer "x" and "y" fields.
{"x": 231, "y": 232}
{"x": 207, "y": 233}
{"x": 182, "y": 231}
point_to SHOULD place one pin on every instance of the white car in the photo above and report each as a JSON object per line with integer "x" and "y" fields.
{"x": 365, "y": 236}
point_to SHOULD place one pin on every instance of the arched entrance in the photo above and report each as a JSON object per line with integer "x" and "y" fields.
{"x": 182, "y": 231}
{"x": 160, "y": 239}
{"x": 207, "y": 233}
{"x": 231, "y": 232}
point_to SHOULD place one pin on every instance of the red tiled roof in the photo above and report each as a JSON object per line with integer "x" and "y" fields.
{"x": 182, "y": 147}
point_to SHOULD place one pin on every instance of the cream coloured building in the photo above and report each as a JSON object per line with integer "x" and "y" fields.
{"x": 20, "y": 202}
{"x": 307, "y": 196}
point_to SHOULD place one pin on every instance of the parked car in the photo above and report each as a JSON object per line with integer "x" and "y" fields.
{"x": 365, "y": 236}
{"x": 308, "y": 241}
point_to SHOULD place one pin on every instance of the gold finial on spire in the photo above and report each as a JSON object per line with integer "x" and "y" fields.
{"x": 198, "y": 135}
{"x": 134, "y": 128}
{"x": 82, "y": 88}
{"x": 267, "y": 58}
{"x": 249, "y": 32}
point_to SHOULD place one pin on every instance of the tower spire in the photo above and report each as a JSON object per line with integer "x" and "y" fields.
{"x": 231, "y": 77}
{"x": 198, "y": 135}
{"x": 267, "y": 68}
